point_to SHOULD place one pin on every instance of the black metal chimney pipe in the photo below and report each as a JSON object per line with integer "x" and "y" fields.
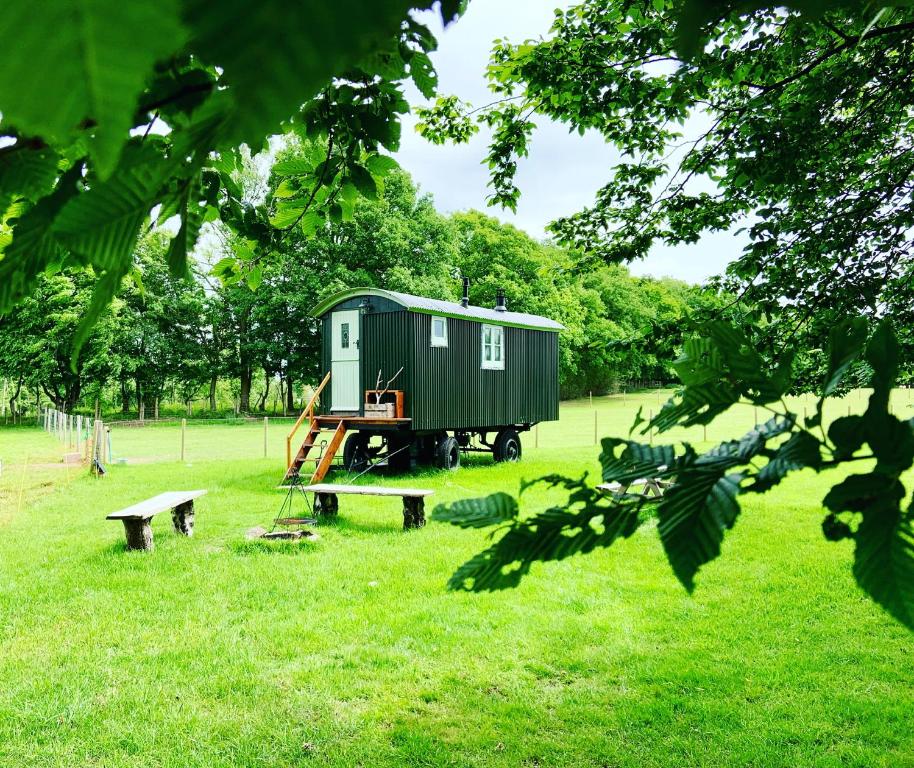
{"x": 465, "y": 301}
{"x": 500, "y": 305}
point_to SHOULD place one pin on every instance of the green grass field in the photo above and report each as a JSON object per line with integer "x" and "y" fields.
{"x": 218, "y": 651}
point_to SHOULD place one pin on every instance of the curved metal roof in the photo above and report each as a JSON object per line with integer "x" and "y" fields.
{"x": 445, "y": 308}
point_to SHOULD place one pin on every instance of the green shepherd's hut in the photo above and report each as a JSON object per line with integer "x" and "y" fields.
{"x": 415, "y": 379}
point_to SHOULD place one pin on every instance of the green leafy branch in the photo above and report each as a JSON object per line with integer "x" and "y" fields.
{"x": 719, "y": 370}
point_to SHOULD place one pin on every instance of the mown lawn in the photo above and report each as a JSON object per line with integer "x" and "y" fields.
{"x": 217, "y": 651}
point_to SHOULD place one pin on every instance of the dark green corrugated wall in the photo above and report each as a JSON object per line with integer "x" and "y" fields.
{"x": 446, "y": 388}
{"x": 385, "y": 346}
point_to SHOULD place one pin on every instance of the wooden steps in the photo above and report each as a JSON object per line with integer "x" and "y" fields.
{"x": 333, "y": 446}
{"x": 338, "y": 424}
{"x": 325, "y": 460}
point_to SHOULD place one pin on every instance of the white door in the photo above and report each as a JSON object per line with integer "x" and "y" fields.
{"x": 344, "y": 360}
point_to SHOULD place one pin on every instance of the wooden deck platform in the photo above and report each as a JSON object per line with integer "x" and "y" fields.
{"x": 356, "y": 421}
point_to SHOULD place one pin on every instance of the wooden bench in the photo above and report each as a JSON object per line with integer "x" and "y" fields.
{"x": 326, "y": 503}
{"x": 137, "y": 519}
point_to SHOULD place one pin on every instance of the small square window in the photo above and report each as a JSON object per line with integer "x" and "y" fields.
{"x": 493, "y": 352}
{"x": 439, "y": 331}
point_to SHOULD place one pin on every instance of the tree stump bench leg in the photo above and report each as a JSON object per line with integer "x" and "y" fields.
{"x": 326, "y": 503}
{"x": 183, "y": 518}
{"x": 139, "y": 533}
{"x": 413, "y": 512}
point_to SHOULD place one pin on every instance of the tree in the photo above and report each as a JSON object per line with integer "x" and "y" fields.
{"x": 160, "y": 324}
{"x": 606, "y": 312}
{"x": 36, "y": 340}
{"x": 795, "y": 126}
{"x": 83, "y": 168}
{"x": 810, "y": 132}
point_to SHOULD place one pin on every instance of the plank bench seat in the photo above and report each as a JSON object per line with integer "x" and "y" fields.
{"x": 137, "y": 518}
{"x": 326, "y": 503}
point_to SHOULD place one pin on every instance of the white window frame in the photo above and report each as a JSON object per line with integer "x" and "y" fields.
{"x": 438, "y": 341}
{"x": 496, "y": 344}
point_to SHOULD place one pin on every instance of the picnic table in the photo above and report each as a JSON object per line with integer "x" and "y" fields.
{"x": 137, "y": 518}
{"x": 649, "y": 488}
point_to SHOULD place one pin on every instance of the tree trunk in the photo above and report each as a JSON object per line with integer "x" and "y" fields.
{"x": 262, "y": 401}
{"x": 125, "y": 397}
{"x": 290, "y": 394}
{"x": 244, "y": 404}
{"x": 14, "y": 398}
{"x": 212, "y": 392}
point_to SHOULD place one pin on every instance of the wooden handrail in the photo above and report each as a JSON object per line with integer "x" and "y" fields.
{"x": 307, "y": 413}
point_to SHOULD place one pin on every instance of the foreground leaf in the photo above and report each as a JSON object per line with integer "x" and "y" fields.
{"x": 26, "y": 172}
{"x": 478, "y": 513}
{"x": 192, "y": 214}
{"x": 310, "y": 43}
{"x": 34, "y": 246}
{"x": 102, "y": 224}
{"x": 70, "y": 63}
{"x": 800, "y": 451}
{"x": 694, "y": 515}
{"x": 884, "y": 560}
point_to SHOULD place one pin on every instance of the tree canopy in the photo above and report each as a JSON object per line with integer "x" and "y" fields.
{"x": 794, "y": 126}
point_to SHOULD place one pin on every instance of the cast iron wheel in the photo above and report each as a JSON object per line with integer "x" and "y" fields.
{"x": 447, "y": 454}
{"x": 507, "y": 446}
{"x": 355, "y": 452}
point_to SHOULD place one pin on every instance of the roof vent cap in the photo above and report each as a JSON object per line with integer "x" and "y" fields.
{"x": 465, "y": 301}
{"x": 500, "y": 305}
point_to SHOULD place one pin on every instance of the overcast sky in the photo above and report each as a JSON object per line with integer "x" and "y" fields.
{"x": 563, "y": 170}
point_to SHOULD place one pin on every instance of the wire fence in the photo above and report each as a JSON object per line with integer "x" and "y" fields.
{"x": 81, "y": 435}
{"x": 581, "y": 423}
